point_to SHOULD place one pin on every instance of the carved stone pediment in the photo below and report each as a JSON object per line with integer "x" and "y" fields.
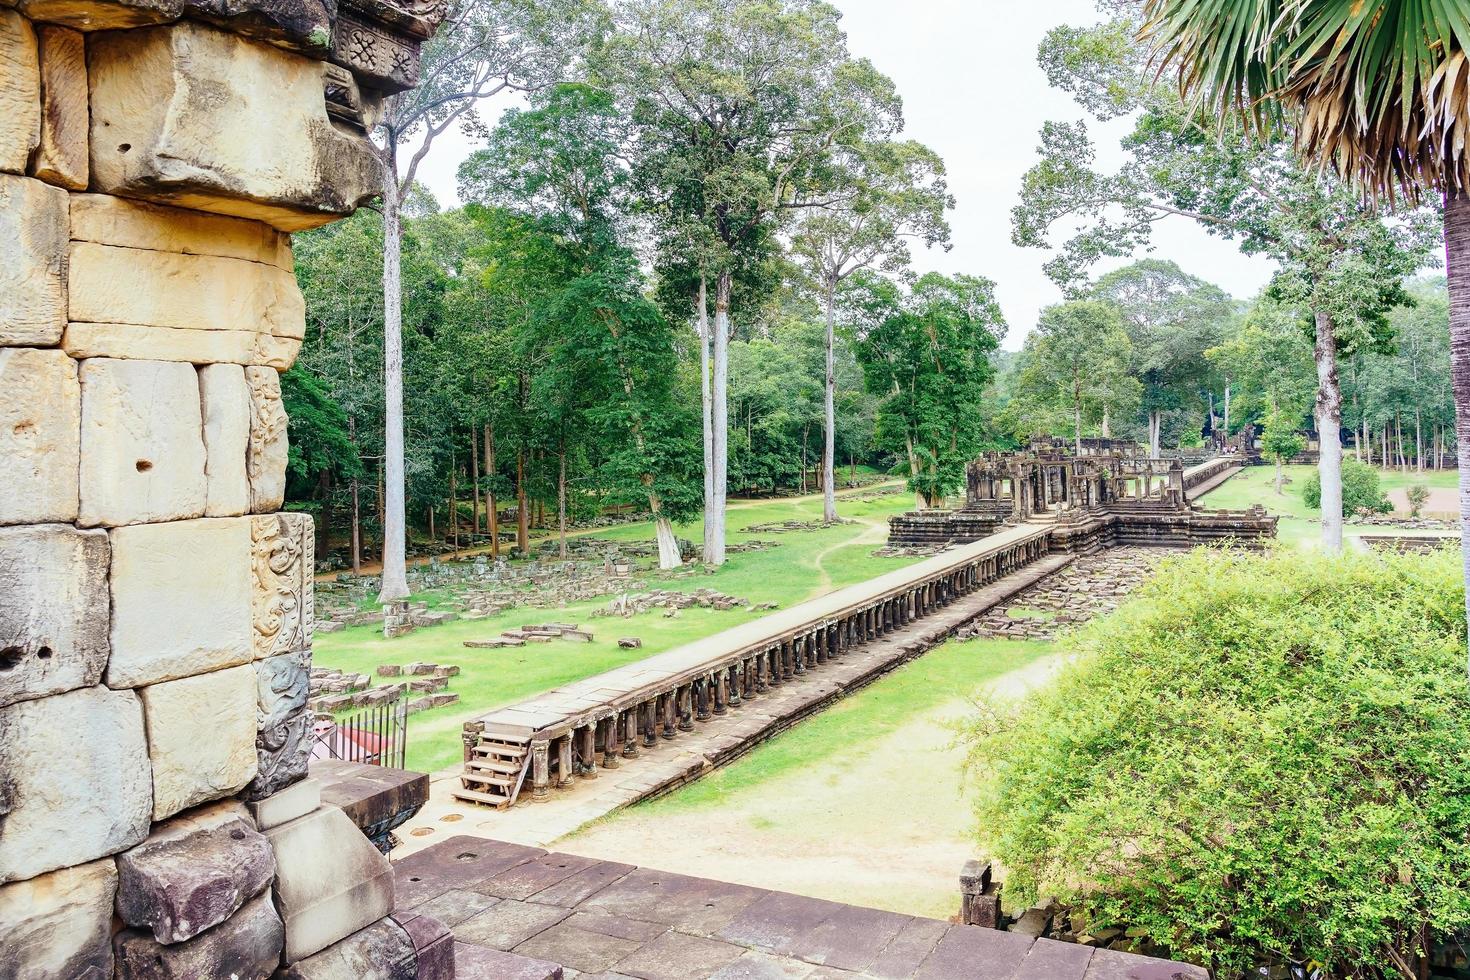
{"x": 379, "y": 41}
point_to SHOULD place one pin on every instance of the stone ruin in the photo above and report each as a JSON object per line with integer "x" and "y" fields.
{"x": 156, "y": 605}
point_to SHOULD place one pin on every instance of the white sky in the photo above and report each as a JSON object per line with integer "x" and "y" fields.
{"x": 972, "y": 90}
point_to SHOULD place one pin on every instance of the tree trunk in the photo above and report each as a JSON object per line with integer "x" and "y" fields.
{"x": 395, "y": 555}
{"x": 1227, "y": 411}
{"x": 1278, "y": 476}
{"x": 1077, "y": 412}
{"x": 1457, "y": 268}
{"x": 706, "y": 403}
{"x": 523, "y": 512}
{"x": 474, "y": 481}
{"x": 492, "y": 519}
{"x": 453, "y": 501}
{"x": 829, "y": 416}
{"x": 1107, "y": 422}
{"x": 356, "y": 530}
{"x": 719, "y": 428}
{"x": 561, "y": 502}
{"x": 1155, "y": 430}
{"x": 803, "y": 460}
{"x": 1329, "y": 433}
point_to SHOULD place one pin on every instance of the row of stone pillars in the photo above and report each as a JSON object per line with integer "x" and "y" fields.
{"x": 557, "y": 761}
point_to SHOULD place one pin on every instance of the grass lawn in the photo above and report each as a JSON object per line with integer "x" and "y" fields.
{"x": 805, "y": 564}
{"x": 823, "y": 808}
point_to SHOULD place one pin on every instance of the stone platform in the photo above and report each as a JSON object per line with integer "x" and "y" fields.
{"x": 522, "y": 912}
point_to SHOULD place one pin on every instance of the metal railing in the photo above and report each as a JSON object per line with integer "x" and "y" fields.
{"x": 376, "y": 735}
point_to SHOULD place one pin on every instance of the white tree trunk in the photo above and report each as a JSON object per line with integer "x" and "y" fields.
{"x": 719, "y": 416}
{"x": 706, "y": 407}
{"x": 1457, "y": 268}
{"x": 1329, "y": 433}
{"x": 395, "y": 570}
{"x": 829, "y": 419}
{"x": 1155, "y": 427}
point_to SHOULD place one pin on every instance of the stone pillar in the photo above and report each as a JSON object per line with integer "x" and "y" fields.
{"x": 540, "y": 771}
{"x": 611, "y": 746}
{"x": 587, "y": 752}
{"x": 564, "y": 762}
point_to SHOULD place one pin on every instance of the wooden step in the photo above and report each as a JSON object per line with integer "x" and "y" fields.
{"x": 490, "y": 780}
{"x": 474, "y": 796}
{"x": 512, "y": 768}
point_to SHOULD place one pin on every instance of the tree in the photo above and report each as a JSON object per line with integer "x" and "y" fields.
{"x": 883, "y": 195}
{"x": 1280, "y": 441}
{"x": 1077, "y": 358}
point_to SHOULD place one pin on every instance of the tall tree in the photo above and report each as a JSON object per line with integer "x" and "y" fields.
{"x": 1078, "y": 358}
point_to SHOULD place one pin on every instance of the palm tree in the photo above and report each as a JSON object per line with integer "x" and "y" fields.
{"x": 1378, "y": 90}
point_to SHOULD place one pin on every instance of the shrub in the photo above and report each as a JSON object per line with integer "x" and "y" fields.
{"x": 1360, "y": 489}
{"x": 1256, "y": 755}
{"x": 1418, "y": 496}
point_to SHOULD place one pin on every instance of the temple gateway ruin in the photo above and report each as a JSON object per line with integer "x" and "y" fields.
{"x": 155, "y": 628}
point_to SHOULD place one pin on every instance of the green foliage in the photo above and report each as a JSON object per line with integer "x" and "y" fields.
{"x": 1074, "y": 370}
{"x": 1280, "y": 441}
{"x": 1418, "y": 496}
{"x": 1360, "y": 489}
{"x": 1257, "y": 755}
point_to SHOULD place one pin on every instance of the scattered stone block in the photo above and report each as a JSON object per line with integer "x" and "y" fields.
{"x": 448, "y": 670}
{"x": 188, "y": 769}
{"x": 440, "y": 700}
{"x": 494, "y": 644}
{"x": 32, "y": 243}
{"x": 581, "y": 636}
{"x": 60, "y": 924}
{"x": 20, "y": 92}
{"x": 417, "y": 668}
{"x": 390, "y": 670}
{"x": 104, "y": 805}
{"x": 177, "y": 117}
{"x": 180, "y": 599}
{"x": 53, "y": 619}
{"x": 193, "y": 872}
{"x": 61, "y": 156}
{"x": 266, "y": 461}
{"x": 630, "y": 643}
{"x": 142, "y": 443}
{"x": 420, "y": 704}
{"x": 382, "y": 951}
{"x": 225, "y": 403}
{"x": 327, "y": 626}
{"x": 432, "y": 618}
{"x": 296, "y": 800}
{"x": 330, "y": 881}
{"x": 247, "y": 946}
{"x": 429, "y": 684}
{"x": 40, "y": 426}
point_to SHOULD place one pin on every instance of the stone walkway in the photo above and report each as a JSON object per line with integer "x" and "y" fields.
{"x": 713, "y": 743}
{"x": 521, "y": 913}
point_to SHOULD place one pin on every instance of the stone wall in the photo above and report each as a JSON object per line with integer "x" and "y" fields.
{"x": 155, "y": 603}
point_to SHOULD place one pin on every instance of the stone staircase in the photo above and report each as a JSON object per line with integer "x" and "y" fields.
{"x": 495, "y": 770}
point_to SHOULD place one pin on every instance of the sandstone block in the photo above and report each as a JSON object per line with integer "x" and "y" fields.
{"x": 382, "y": 951}
{"x": 282, "y": 546}
{"x": 32, "y": 250}
{"x": 57, "y": 812}
{"x": 225, "y": 403}
{"x": 60, "y": 924}
{"x": 282, "y": 756}
{"x": 109, "y": 220}
{"x": 191, "y": 115}
{"x": 266, "y": 461}
{"x": 53, "y": 617}
{"x": 201, "y": 737}
{"x": 142, "y": 443}
{"x": 82, "y": 340}
{"x": 296, "y": 800}
{"x": 246, "y": 946}
{"x": 40, "y": 423}
{"x": 193, "y": 872}
{"x": 296, "y": 24}
{"x": 20, "y": 92}
{"x": 61, "y": 157}
{"x": 330, "y": 881}
{"x": 113, "y": 284}
{"x": 180, "y": 600}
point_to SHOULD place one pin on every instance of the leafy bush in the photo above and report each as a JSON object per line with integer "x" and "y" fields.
{"x": 1257, "y": 755}
{"x": 1360, "y": 489}
{"x": 1418, "y": 496}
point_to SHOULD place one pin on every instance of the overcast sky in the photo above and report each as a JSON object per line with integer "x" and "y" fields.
{"x": 972, "y": 90}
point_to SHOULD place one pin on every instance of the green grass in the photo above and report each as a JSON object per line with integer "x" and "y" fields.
{"x": 805, "y": 564}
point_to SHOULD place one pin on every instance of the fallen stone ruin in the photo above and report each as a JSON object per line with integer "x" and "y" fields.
{"x": 1093, "y": 585}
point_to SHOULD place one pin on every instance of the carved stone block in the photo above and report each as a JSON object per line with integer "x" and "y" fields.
{"x": 142, "y": 443}
{"x": 61, "y": 157}
{"x": 40, "y": 423}
{"x": 32, "y": 254}
{"x": 281, "y": 553}
{"x": 60, "y": 924}
{"x": 225, "y": 402}
{"x": 246, "y": 946}
{"x": 282, "y": 684}
{"x": 20, "y": 92}
{"x": 299, "y": 25}
{"x": 283, "y": 753}
{"x": 53, "y": 618}
{"x": 190, "y": 115}
{"x": 108, "y": 220}
{"x": 266, "y": 461}
{"x": 57, "y": 813}
{"x": 181, "y": 601}
{"x": 201, "y": 737}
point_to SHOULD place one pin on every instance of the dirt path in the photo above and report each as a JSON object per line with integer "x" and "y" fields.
{"x": 886, "y": 826}
{"x": 875, "y": 533}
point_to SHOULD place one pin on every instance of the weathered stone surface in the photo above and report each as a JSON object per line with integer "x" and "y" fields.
{"x": 32, "y": 252}
{"x": 225, "y": 403}
{"x": 39, "y": 435}
{"x": 266, "y": 461}
{"x": 20, "y": 92}
{"x": 59, "y": 924}
{"x": 382, "y": 951}
{"x": 53, "y": 617}
{"x": 194, "y": 346}
{"x": 109, "y": 220}
{"x": 193, "y": 116}
{"x": 201, "y": 737}
{"x": 296, "y": 800}
{"x": 113, "y": 284}
{"x": 282, "y": 683}
{"x": 298, "y": 24}
{"x": 103, "y": 804}
{"x": 281, "y": 568}
{"x": 61, "y": 157}
{"x": 142, "y": 443}
{"x": 180, "y": 600}
{"x": 282, "y": 755}
{"x": 193, "y": 872}
{"x": 330, "y": 881}
{"x": 247, "y": 946}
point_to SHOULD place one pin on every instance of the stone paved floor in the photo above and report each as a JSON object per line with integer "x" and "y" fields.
{"x": 1093, "y": 585}
{"x": 673, "y": 762}
{"x": 521, "y": 913}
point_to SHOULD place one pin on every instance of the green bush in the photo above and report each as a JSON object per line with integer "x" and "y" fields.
{"x": 1257, "y": 755}
{"x": 1360, "y": 489}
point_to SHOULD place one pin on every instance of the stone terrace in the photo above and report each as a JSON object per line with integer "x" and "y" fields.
{"x": 530, "y": 914}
